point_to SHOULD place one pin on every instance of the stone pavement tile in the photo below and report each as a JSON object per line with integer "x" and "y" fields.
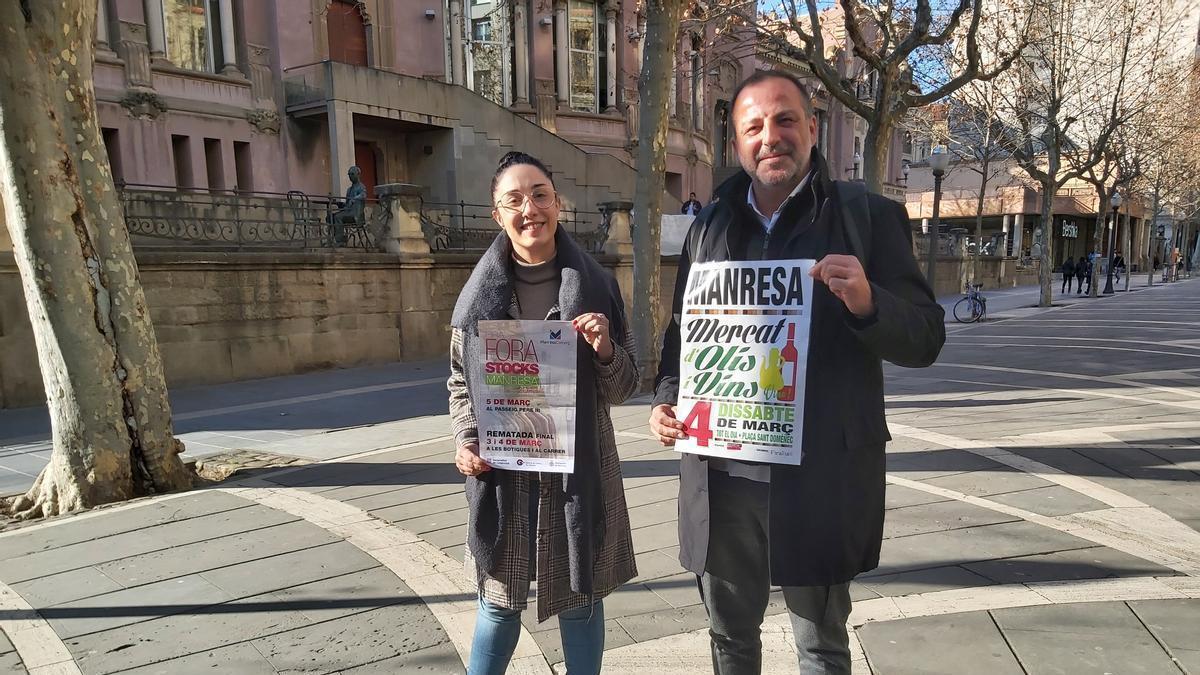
{"x": 407, "y": 495}
{"x": 923, "y": 581}
{"x": 656, "y": 564}
{"x": 65, "y": 586}
{"x": 679, "y": 591}
{"x": 179, "y": 635}
{"x": 1095, "y": 562}
{"x": 642, "y": 627}
{"x": 1089, "y": 637}
{"x": 133, "y": 605}
{"x": 858, "y": 591}
{"x": 550, "y": 639}
{"x": 898, "y": 496}
{"x": 75, "y": 556}
{"x": 456, "y": 552}
{"x": 207, "y": 555}
{"x": 6, "y": 647}
{"x": 1137, "y": 463}
{"x": 1006, "y": 540}
{"x": 152, "y": 514}
{"x": 986, "y": 483}
{"x": 451, "y": 536}
{"x": 241, "y": 658}
{"x": 655, "y": 537}
{"x": 336, "y": 444}
{"x": 650, "y": 493}
{"x": 632, "y": 599}
{"x": 435, "y": 521}
{"x": 10, "y": 664}
{"x": 938, "y": 645}
{"x": 935, "y": 463}
{"x": 353, "y": 640}
{"x": 911, "y": 520}
{"x": 222, "y": 525}
{"x": 338, "y": 597}
{"x": 1055, "y": 500}
{"x": 440, "y": 659}
{"x": 1173, "y": 622}
{"x": 290, "y": 569}
{"x": 424, "y": 507}
{"x": 654, "y": 514}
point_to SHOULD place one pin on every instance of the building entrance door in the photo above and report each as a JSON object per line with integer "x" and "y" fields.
{"x": 364, "y": 157}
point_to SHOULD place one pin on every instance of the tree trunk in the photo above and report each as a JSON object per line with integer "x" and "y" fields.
{"x": 109, "y": 414}
{"x": 875, "y": 154}
{"x": 983, "y": 183}
{"x": 662, "y": 35}
{"x": 1045, "y": 273}
{"x": 1098, "y": 241}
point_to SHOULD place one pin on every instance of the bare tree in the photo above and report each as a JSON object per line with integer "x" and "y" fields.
{"x": 109, "y": 413}
{"x": 895, "y": 41}
{"x": 1067, "y": 99}
{"x": 658, "y": 63}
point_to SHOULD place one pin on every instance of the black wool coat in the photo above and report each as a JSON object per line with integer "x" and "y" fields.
{"x": 826, "y": 515}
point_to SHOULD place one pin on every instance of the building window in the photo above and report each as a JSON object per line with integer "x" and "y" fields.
{"x": 181, "y": 153}
{"x": 697, "y": 84}
{"x": 583, "y": 56}
{"x": 112, "y": 145}
{"x": 486, "y": 56}
{"x": 214, "y": 164}
{"x": 193, "y": 33}
{"x": 243, "y": 166}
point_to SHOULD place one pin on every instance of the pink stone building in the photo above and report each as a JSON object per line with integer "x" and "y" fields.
{"x": 271, "y": 96}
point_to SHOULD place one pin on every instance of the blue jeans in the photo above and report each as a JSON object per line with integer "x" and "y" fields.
{"x": 497, "y": 630}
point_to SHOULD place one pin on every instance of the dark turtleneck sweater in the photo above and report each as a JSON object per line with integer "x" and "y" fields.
{"x": 536, "y": 287}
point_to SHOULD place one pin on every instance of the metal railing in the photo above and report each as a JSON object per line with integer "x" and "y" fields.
{"x": 168, "y": 217}
{"x": 470, "y": 227}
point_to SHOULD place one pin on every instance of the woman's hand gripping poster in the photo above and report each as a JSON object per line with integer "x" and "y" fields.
{"x": 528, "y": 420}
{"x": 744, "y": 332}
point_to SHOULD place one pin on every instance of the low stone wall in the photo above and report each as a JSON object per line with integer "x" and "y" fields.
{"x": 222, "y": 317}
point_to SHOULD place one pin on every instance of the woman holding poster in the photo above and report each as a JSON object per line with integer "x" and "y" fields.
{"x": 570, "y": 531}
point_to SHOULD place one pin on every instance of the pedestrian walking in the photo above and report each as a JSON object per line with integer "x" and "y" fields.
{"x": 569, "y": 531}
{"x": 1068, "y": 273}
{"x": 744, "y": 527}
{"x": 1118, "y": 266}
{"x": 1083, "y": 271}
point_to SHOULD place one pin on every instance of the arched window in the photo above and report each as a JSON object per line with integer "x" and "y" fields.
{"x": 347, "y": 29}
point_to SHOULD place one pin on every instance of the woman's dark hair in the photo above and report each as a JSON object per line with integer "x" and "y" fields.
{"x": 514, "y": 158}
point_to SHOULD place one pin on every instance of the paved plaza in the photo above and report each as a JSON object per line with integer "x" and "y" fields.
{"x": 1043, "y": 517}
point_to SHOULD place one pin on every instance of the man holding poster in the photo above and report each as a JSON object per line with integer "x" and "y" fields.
{"x": 792, "y": 288}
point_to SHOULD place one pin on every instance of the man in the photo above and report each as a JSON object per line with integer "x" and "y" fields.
{"x": 744, "y": 527}
{"x": 692, "y": 206}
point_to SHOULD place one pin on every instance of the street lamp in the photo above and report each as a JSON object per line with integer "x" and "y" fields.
{"x": 938, "y": 161}
{"x": 1112, "y": 235}
{"x": 853, "y": 171}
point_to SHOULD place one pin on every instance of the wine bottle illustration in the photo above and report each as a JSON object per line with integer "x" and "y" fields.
{"x": 790, "y": 358}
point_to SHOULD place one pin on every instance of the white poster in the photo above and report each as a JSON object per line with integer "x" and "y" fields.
{"x": 744, "y": 352}
{"x": 528, "y": 418}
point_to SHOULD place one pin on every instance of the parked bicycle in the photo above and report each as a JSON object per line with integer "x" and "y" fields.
{"x": 972, "y": 307}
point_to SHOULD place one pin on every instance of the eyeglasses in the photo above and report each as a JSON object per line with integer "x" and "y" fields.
{"x": 515, "y": 200}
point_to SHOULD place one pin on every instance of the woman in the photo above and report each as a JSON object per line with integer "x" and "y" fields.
{"x": 1083, "y": 271}
{"x": 570, "y": 531}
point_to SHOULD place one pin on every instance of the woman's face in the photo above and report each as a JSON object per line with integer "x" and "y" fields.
{"x": 526, "y": 206}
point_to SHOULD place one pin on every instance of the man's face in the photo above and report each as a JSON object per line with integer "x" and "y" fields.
{"x": 774, "y": 135}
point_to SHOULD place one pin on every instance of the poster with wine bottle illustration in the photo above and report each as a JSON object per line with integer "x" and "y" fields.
{"x": 744, "y": 333}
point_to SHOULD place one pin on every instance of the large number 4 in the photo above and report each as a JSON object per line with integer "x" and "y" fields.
{"x": 697, "y": 423}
